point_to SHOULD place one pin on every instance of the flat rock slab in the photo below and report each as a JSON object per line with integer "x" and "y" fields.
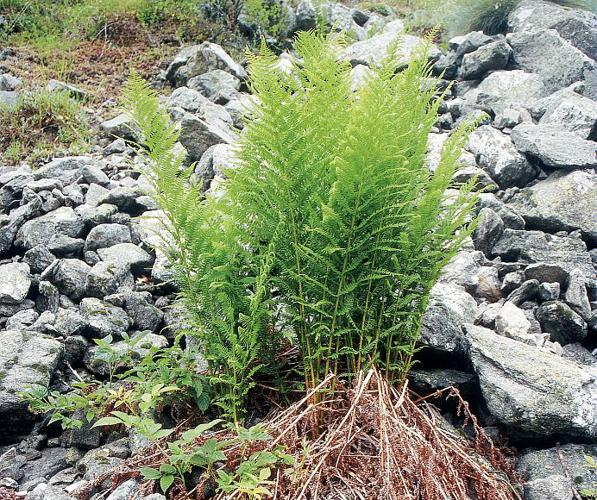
{"x": 554, "y": 146}
{"x": 565, "y": 201}
{"x": 532, "y": 389}
{"x": 27, "y": 359}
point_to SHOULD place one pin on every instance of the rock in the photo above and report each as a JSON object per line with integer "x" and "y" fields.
{"x": 531, "y": 389}
{"x": 502, "y": 90}
{"x": 10, "y": 226}
{"x": 496, "y": 153}
{"x": 537, "y": 247}
{"x": 196, "y": 135}
{"x": 38, "y": 258}
{"x": 21, "y": 320}
{"x": 26, "y": 359}
{"x": 449, "y": 308}
{"x": 199, "y": 59}
{"x": 558, "y": 468}
{"x": 120, "y": 127}
{"x": 546, "y": 273}
{"x": 561, "y": 322}
{"x": 526, "y": 292}
{"x": 9, "y": 99}
{"x": 509, "y": 217}
{"x": 554, "y": 146}
{"x": 373, "y": 51}
{"x": 67, "y": 169}
{"x": 126, "y": 491}
{"x": 306, "y": 17}
{"x": 552, "y": 58}
{"x": 512, "y": 322}
{"x": 129, "y": 254}
{"x": 15, "y": 281}
{"x": 428, "y": 380}
{"x": 490, "y": 57}
{"x": 44, "y": 491}
{"x": 125, "y": 198}
{"x": 103, "y": 319}
{"x": 214, "y": 83}
{"x": 106, "y": 278}
{"x": 577, "y": 26}
{"x": 107, "y": 235}
{"x": 75, "y": 92}
{"x": 43, "y": 230}
{"x": 570, "y": 110}
{"x": 213, "y": 163}
{"x": 68, "y": 275}
{"x": 565, "y": 201}
{"x": 192, "y": 101}
{"x": 144, "y": 314}
{"x": 9, "y": 83}
{"x": 489, "y": 230}
{"x": 576, "y": 294}
{"x": 69, "y": 322}
{"x": 548, "y": 291}
{"x": 136, "y": 349}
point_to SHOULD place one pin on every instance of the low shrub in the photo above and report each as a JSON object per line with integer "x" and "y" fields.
{"x": 40, "y": 124}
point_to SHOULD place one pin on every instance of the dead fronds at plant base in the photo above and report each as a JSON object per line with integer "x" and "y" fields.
{"x": 373, "y": 441}
{"x": 376, "y": 442}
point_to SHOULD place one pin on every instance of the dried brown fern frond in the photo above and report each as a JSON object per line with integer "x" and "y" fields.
{"x": 369, "y": 441}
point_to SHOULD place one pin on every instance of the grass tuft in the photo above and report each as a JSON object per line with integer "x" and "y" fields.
{"x": 41, "y": 124}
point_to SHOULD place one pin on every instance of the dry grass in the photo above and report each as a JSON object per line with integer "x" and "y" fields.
{"x": 371, "y": 441}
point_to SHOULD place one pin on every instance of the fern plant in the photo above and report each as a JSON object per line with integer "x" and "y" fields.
{"x": 362, "y": 227}
{"x": 332, "y": 214}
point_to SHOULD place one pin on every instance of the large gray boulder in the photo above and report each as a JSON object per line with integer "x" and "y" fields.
{"x": 503, "y": 90}
{"x": 495, "y": 152}
{"x": 554, "y": 146}
{"x": 67, "y": 169}
{"x": 530, "y": 247}
{"x": 565, "y": 201}
{"x": 531, "y": 389}
{"x": 27, "y": 359}
{"x": 555, "y": 60}
{"x": 577, "y": 26}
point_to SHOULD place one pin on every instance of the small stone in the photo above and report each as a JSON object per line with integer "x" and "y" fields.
{"x": 107, "y": 235}
{"x": 490, "y": 57}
